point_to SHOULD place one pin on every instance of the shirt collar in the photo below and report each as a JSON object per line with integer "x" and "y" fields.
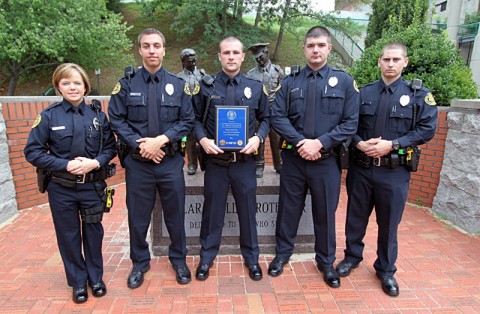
{"x": 68, "y": 106}
{"x": 146, "y": 74}
{"x": 322, "y": 71}
{"x": 224, "y": 77}
{"x": 393, "y": 86}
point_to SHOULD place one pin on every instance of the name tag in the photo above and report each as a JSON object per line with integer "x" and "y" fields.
{"x": 135, "y": 94}
{"x": 56, "y": 128}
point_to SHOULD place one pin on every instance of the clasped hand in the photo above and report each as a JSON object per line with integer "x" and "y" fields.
{"x": 82, "y": 165}
{"x": 151, "y": 147}
{"x": 375, "y": 147}
{"x": 309, "y": 149}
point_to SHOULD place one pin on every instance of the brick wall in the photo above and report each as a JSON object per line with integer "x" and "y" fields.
{"x": 20, "y": 115}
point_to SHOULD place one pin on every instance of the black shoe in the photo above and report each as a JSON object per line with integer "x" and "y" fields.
{"x": 278, "y": 169}
{"x": 344, "y": 268}
{"x": 99, "y": 289}
{"x": 275, "y": 268}
{"x": 255, "y": 272}
{"x": 259, "y": 172}
{"x": 183, "y": 274}
{"x": 192, "y": 169}
{"x": 203, "y": 271}
{"x": 80, "y": 295}
{"x": 389, "y": 285}
{"x": 330, "y": 276}
{"x": 135, "y": 279}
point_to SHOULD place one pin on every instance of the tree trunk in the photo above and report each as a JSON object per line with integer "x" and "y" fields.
{"x": 239, "y": 14}
{"x": 259, "y": 13}
{"x": 281, "y": 30}
{"x": 12, "y": 85}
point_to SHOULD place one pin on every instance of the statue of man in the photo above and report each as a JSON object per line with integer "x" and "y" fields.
{"x": 270, "y": 75}
{"x": 192, "y": 76}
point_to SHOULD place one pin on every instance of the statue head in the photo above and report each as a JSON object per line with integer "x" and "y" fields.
{"x": 260, "y": 53}
{"x": 189, "y": 59}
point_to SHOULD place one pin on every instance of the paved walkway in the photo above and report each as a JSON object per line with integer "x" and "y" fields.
{"x": 438, "y": 272}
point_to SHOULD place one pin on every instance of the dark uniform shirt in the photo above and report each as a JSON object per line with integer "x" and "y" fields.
{"x": 399, "y": 113}
{"x": 50, "y": 141}
{"x": 270, "y": 76}
{"x": 336, "y": 107}
{"x": 248, "y": 92}
{"x": 192, "y": 79}
{"x": 128, "y": 110}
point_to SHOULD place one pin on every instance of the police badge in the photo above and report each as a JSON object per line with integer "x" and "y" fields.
{"x": 247, "y": 92}
{"x": 169, "y": 89}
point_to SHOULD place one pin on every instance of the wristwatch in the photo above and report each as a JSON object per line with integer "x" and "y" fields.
{"x": 395, "y": 145}
{"x": 262, "y": 140}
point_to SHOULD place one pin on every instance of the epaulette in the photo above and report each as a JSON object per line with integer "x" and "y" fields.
{"x": 54, "y": 105}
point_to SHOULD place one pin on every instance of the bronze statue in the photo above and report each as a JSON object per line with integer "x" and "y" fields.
{"x": 270, "y": 75}
{"x": 192, "y": 76}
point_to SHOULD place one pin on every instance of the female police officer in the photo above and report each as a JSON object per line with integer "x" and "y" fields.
{"x": 73, "y": 143}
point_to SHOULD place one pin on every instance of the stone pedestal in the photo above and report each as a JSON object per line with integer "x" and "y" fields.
{"x": 267, "y": 207}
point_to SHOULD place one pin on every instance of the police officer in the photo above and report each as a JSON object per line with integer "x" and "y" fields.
{"x": 314, "y": 111}
{"x": 270, "y": 75}
{"x": 65, "y": 141}
{"x": 230, "y": 169}
{"x": 150, "y": 111}
{"x": 192, "y": 76}
{"x": 395, "y": 116}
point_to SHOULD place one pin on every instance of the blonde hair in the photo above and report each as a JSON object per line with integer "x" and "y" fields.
{"x": 65, "y": 70}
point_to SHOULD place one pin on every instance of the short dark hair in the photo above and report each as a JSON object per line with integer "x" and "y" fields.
{"x": 317, "y": 31}
{"x": 394, "y": 45}
{"x": 229, "y": 39}
{"x": 150, "y": 31}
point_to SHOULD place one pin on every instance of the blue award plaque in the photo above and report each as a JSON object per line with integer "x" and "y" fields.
{"x": 231, "y": 129}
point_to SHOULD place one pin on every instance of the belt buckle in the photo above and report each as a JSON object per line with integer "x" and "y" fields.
{"x": 377, "y": 162}
{"x": 81, "y": 178}
{"x": 234, "y": 157}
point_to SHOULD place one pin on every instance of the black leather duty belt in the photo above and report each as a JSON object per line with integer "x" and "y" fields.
{"x": 225, "y": 159}
{"x": 92, "y": 176}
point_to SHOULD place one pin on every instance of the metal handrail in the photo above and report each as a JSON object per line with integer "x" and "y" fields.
{"x": 468, "y": 30}
{"x": 348, "y": 43}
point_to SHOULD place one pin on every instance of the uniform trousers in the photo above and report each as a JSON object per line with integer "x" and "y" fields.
{"x": 72, "y": 233}
{"x": 322, "y": 178}
{"x": 242, "y": 179}
{"x": 386, "y": 190}
{"x": 143, "y": 181}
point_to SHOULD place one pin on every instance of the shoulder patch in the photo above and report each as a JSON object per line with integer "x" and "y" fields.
{"x": 265, "y": 90}
{"x": 429, "y": 100}
{"x": 355, "y": 86}
{"x": 186, "y": 89}
{"x": 37, "y": 121}
{"x": 117, "y": 88}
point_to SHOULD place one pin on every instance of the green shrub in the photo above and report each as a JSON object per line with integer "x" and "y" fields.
{"x": 433, "y": 58}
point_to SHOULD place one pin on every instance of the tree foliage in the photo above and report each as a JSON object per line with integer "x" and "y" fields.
{"x": 404, "y": 10}
{"x": 36, "y": 33}
{"x": 433, "y": 58}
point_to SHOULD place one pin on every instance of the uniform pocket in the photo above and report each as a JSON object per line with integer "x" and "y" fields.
{"x": 333, "y": 101}
{"x": 136, "y": 108}
{"x": 367, "y": 115}
{"x": 401, "y": 118}
{"x": 169, "y": 111}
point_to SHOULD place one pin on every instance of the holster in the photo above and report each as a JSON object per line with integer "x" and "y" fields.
{"x": 202, "y": 157}
{"x": 43, "y": 177}
{"x": 343, "y": 154}
{"x": 122, "y": 151}
{"x": 413, "y": 158}
{"x": 92, "y": 215}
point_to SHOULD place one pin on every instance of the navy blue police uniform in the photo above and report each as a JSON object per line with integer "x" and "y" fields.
{"x": 128, "y": 115}
{"x": 372, "y": 182}
{"x": 336, "y": 118}
{"x": 230, "y": 168}
{"x": 48, "y": 147}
